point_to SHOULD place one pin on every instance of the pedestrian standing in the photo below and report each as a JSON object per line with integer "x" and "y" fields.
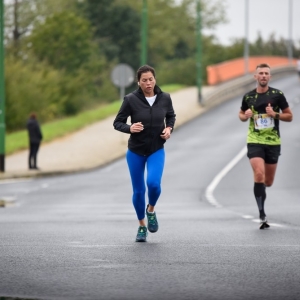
{"x": 264, "y": 107}
{"x": 152, "y": 120}
{"x": 35, "y": 138}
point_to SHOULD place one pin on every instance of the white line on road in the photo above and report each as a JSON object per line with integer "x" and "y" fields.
{"x": 7, "y": 181}
{"x": 271, "y": 224}
{"x": 210, "y": 189}
{"x": 247, "y": 217}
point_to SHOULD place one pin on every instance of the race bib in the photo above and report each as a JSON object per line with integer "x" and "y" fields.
{"x": 262, "y": 121}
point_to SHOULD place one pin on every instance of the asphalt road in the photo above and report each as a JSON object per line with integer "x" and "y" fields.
{"x": 72, "y": 237}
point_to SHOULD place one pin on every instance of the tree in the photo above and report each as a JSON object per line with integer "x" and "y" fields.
{"x": 64, "y": 41}
{"x": 172, "y": 26}
{"x": 22, "y": 16}
{"x": 116, "y": 29}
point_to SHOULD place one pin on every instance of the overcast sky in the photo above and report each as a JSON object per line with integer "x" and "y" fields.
{"x": 266, "y": 16}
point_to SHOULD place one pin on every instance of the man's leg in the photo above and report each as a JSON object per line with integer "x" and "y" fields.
{"x": 270, "y": 170}
{"x": 258, "y": 167}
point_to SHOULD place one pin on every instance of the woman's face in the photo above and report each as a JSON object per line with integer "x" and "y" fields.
{"x": 147, "y": 83}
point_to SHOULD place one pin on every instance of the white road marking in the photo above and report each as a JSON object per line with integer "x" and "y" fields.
{"x": 247, "y": 217}
{"x": 271, "y": 224}
{"x": 97, "y": 246}
{"x": 8, "y": 181}
{"x": 210, "y": 189}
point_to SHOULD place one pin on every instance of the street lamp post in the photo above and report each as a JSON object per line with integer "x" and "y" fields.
{"x": 246, "y": 46}
{"x": 290, "y": 41}
{"x": 2, "y": 91}
{"x": 144, "y": 33}
{"x": 198, "y": 55}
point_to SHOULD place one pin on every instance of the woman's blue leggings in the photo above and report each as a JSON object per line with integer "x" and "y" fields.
{"x": 155, "y": 165}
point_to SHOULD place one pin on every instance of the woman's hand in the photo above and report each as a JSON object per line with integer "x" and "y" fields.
{"x": 136, "y": 127}
{"x": 166, "y": 133}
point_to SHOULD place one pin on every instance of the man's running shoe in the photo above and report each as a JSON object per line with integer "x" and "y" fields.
{"x": 263, "y": 223}
{"x": 152, "y": 221}
{"x": 142, "y": 234}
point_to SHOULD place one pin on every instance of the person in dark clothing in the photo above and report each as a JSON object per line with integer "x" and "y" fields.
{"x": 35, "y": 137}
{"x": 152, "y": 121}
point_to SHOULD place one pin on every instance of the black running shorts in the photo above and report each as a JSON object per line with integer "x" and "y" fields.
{"x": 270, "y": 154}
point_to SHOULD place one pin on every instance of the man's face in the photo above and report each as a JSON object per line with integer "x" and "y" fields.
{"x": 262, "y": 76}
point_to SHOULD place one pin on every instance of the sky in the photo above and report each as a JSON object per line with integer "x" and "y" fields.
{"x": 266, "y": 16}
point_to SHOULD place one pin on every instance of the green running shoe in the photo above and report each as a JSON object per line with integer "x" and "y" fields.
{"x": 152, "y": 221}
{"x": 142, "y": 234}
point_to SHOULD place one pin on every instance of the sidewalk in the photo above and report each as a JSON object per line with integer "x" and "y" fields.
{"x": 95, "y": 145}
{"x": 99, "y": 144}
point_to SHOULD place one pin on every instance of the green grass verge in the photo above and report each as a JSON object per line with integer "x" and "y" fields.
{"x": 18, "y": 140}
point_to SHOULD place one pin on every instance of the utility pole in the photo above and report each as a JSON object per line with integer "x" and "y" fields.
{"x": 246, "y": 45}
{"x": 144, "y": 33}
{"x": 2, "y": 91}
{"x": 290, "y": 41}
{"x": 199, "y": 50}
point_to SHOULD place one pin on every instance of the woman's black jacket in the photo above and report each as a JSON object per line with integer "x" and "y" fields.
{"x": 154, "y": 118}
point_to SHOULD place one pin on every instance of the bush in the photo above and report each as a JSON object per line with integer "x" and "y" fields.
{"x": 181, "y": 71}
{"x": 37, "y": 87}
{"x": 30, "y": 88}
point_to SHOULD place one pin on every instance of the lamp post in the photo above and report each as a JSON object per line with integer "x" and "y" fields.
{"x": 2, "y": 92}
{"x": 246, "y": 45}
{"x": 144, "y": 33}
{"x": 198, "y": 55}
{"x": 290, "y": 41}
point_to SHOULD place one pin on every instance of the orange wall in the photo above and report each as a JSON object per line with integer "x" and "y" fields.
{"x": 236, "y": 67}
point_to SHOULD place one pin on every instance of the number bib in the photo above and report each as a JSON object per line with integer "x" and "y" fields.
{"x": 262, "y": 121}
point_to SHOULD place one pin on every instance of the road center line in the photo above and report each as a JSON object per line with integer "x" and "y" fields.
{"x": 210, "y": 189}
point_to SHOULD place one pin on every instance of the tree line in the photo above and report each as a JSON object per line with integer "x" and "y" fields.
{"x": 60, "y": 53}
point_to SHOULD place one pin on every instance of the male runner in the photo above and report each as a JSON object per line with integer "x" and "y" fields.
{"x": 264, "y": 106}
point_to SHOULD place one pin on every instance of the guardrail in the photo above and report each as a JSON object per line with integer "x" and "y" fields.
{"x": 238, "y": 87}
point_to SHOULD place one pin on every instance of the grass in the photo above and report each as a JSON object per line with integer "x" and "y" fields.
{"x": 18, "y": 140}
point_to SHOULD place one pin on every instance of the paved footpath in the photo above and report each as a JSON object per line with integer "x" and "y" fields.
{"x": 99, "y": 144}
{"x": 94, "y": 145}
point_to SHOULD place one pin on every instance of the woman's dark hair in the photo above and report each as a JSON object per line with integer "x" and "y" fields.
{"x": 144, "y": 69}
{"x": 32, "y": 116}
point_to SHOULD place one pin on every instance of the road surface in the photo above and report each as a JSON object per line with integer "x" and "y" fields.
{"x": 72, "y": 237}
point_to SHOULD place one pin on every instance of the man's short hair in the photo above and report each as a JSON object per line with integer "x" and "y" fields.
{"x": 263, "y": 66}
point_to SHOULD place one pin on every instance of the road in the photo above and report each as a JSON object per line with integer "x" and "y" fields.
{"x": 72, "y": 237}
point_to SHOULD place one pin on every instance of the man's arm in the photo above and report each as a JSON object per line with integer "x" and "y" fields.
{"x": 286, "y": 115}
{"x": 245, "y": 115}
